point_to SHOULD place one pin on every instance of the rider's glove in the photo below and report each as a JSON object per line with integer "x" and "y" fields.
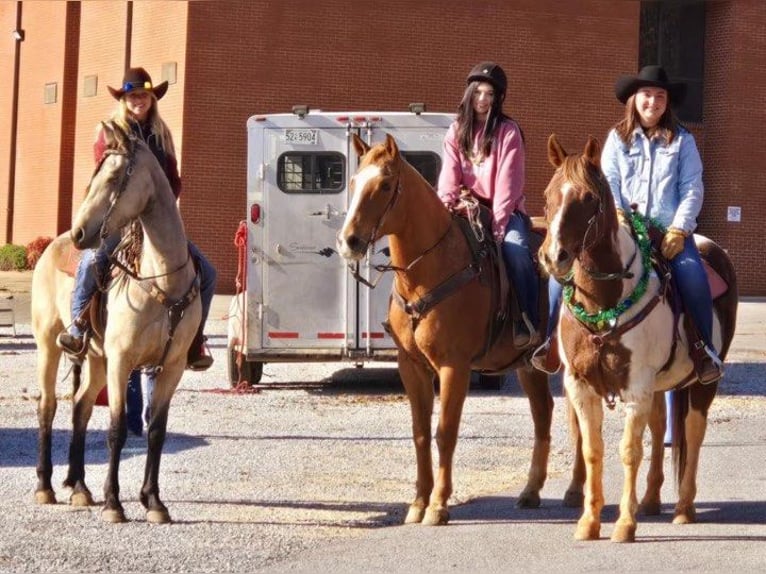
{"x": 673, "y": 242}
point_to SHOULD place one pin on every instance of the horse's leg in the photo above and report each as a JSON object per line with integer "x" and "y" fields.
{"x": 695, "y": 425}
{"x": 48, "y": 356}
{"x": 574, "y": 496}
{"x": 453, "y": 381}
{"x": 117, "y": 380}
{"x": 82, "y": 409}
{"x": 418, "y": 382}
{"x": 631, "y": 451}
{"x": 164, "y": 387}
{"x": 535, "y": 385}
{"x": 651, "y": 504}
{"x": 590, "y": 416}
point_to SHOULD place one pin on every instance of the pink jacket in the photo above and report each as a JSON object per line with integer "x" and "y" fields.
{"x": 499, "y": 179}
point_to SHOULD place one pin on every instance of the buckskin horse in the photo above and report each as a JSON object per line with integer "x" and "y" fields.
{"x": 617, "y": 339}
{"x": 152, "y": 317}
{"x": 439, "y": 317}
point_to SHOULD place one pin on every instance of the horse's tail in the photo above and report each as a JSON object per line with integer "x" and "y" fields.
{"x": 692, "y": 401}
{"x": 679, "y": 450}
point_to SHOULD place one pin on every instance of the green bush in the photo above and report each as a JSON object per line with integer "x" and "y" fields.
{"x": 13, "y": 257}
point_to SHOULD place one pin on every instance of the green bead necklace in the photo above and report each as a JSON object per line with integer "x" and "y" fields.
{"x": 608, "y": 317}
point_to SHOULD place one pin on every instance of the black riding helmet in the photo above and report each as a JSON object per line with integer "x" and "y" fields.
{"x": 489, "y": 72}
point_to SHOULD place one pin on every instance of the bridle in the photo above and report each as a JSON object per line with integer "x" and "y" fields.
{"x": 381, "y": 269}
{"x": 593, "y": 222}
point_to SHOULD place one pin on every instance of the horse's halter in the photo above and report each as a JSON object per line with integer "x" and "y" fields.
{"x": 593, "y": 221}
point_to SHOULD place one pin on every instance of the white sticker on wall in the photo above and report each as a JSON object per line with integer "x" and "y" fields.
{"x": 734, "y": 213}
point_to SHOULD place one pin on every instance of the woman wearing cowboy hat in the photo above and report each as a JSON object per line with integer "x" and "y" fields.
{"x": 137, "y": 112}
{"x": 650, "y": 160}
{"x": 484, "y": 153}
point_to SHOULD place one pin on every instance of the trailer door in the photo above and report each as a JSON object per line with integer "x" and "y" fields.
{"x": 305, "y": 183}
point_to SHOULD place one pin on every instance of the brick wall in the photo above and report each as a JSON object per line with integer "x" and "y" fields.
{"x": 237, "y": 58}
{"x": 246, "y": 59}
{"x": 735, "y": 114}
{"x": 7, "y": 57}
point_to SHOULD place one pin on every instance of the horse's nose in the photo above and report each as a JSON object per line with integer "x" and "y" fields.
{"x": 355, "y": 244}
{"x": 77, "y": 234}
{"x": 351, "y": 247}
{"x": 562, "y": 257}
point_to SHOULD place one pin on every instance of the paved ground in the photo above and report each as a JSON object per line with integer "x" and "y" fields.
{"x": 312, "y": 475}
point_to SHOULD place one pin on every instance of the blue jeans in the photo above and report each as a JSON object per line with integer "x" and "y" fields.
{"x": 691, "y": 280}
{"x": 95, "y": 263}
{"x": 520, "y": 266}
{"x": 91, "y": 269}
{"x": 207, "y": 277}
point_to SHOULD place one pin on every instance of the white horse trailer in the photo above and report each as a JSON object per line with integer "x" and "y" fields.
{"x": 300, "y": 303}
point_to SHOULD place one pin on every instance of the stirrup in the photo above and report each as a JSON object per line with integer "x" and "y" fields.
{"x": 545, "y": 358}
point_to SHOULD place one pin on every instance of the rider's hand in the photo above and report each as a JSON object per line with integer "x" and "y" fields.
{"x": 673, "y": 243}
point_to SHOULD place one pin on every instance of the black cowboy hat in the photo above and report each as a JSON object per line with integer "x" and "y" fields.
{"x": 489, "y": 72}
{"x": 138, "y": 79}
{"x": 649, "y": 76}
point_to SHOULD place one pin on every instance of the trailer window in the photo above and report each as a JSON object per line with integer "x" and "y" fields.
{"x": 311, "y": 172}
{"x": 428, "y": 164}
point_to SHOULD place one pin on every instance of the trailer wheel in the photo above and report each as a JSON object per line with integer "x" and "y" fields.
{"x": 251, "y": 371}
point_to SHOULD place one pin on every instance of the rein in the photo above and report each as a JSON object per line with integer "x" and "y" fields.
{"x": 383, "y": 268}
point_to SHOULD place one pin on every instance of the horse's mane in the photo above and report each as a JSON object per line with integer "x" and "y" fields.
{"x": 577, "y": 170}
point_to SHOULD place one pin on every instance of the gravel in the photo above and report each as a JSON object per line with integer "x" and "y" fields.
{"x": 322, "y": 453}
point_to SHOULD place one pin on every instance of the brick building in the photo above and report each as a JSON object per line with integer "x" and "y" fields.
{"x": 228, "y": 60}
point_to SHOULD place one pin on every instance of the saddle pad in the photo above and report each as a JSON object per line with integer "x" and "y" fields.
{"x": 69, "y": 260}
{"x": 717, "y": 285}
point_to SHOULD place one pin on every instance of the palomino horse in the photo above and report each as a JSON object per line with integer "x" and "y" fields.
{"x": 442, "y": 335}
{"x": 152, "y": 319}
{"x": 617, "y": 339}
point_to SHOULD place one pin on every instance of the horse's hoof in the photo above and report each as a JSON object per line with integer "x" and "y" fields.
{"x": 415, "y": 515}
{"x": 528, "y": 499}
{"x": 688, "y": 517}
{"x": 574, "y": 499}
{"x": 81, "y": 499}
{"x": 113, "y": 515}
{"x": 588, "y": 531}
{"x": 45, "y": 497}
{"x": 158, "y": 517}
{"x": 436, "y": 516}
{"x": 624, "y": 533}
{"x": 650, "y": 508}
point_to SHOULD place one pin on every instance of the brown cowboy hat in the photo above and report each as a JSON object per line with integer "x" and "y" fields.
{"x": 138, "y": 79}
{"x": 649, "y": 76}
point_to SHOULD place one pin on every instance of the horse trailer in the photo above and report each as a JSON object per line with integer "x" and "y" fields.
{"x": 298, "y": 301}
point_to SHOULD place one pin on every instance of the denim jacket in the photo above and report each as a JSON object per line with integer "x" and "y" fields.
{"x": 665, "y": 181}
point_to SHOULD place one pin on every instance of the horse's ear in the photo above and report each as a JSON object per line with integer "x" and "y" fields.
{"x": 359, "y": 145}
{"x": 593, "y": 151}
{"x": 556, "y": 153}
{"x": 391, "y": 147}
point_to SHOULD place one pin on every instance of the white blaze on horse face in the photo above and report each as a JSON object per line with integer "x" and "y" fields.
{"x": 554, "y": 227}
{"x": 360, "y": 182}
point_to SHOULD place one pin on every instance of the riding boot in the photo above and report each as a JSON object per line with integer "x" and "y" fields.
{"x": 546, "y": 357}
{"x": 524, "y": 333}
{"x": 198, "y": 357}
{"x": 707, "y": 365}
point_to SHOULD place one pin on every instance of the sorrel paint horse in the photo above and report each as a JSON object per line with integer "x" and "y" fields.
{"x": 143, "y": 316}
{"x": 427, "y": 247}
{"x": 635, "y": 358}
